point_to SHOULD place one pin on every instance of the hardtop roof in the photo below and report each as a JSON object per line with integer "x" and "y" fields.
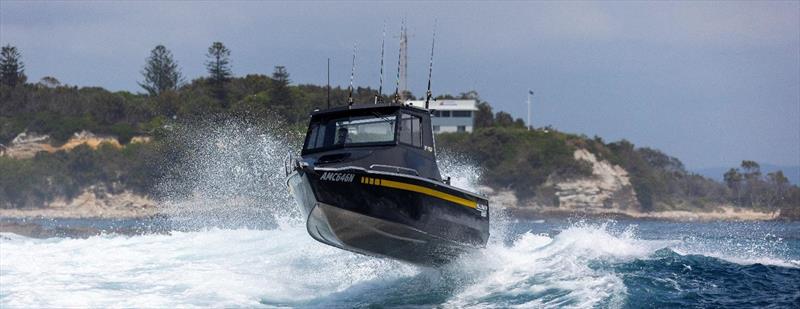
{"x": 337, "y": 110}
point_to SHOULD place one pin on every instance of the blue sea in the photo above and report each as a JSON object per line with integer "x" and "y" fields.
{"x": 528, "y": 264}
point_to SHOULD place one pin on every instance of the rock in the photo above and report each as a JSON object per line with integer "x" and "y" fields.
{"x": 608, "y": 187}
{"x": 26, "y": 144}
{"x": 87, "y": 138}
{"x": 93, "y": 202}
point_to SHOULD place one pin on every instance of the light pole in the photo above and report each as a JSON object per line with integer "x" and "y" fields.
{"x": 530, "y": 94}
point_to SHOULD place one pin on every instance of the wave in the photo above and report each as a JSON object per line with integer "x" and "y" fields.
{"x": 584, "y": 265}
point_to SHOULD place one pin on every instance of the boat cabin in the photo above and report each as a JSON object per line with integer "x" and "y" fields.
{"x": 382, "y": 137}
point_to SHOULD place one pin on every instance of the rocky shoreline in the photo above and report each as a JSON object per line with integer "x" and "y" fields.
{"x": 92, "y": 202}
{"x": 725, "y": 213}
{"x": 96, "y": 202}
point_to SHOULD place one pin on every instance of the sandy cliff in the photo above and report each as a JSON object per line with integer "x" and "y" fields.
{"x": 607, "y": 192}
{"x": 608, "y": 187}
{"x": 26, "y": 144}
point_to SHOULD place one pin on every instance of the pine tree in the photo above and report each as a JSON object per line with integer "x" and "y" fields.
{"x": 279, "y": 92}
{"x": 219, "y": 69}
{"x": 161, "y": 72}
{"x": 12, "y": 69}
{"x": 219, "y": 63}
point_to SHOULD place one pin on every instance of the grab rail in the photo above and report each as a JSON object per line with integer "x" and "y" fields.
{"x": 396, "y": 169}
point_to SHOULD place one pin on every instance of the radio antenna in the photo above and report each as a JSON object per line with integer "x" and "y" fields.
{"x": 430, "y": 68}
{"x": 379, "y": 96}
{"x": 352, "y": 74}
{"x": 329, "y": 83}
{"x": 399, "y": 56}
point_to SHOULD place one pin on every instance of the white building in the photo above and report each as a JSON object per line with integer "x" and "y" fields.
{"x": 450, "y": 115}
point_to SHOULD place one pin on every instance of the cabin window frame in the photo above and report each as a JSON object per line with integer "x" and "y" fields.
{"x": 393, "y": 115}
{"x": 420, "y": 126}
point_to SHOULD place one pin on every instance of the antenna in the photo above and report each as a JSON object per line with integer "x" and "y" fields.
{"x": 379, "y": 96}
{"x": 329, "y": 83}
{"x": 352, "y": 74}
{"x": 399, "y": 57}
{"x": 430, "y": 67}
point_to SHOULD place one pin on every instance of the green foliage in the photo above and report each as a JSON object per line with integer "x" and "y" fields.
{"x": 516, "y": 158}
{"x": 510, "y": 155}
{"x": 219, "y": 69}
{"x": 12, "y": 69}
{"x": 749, "y": 188}
{"x": 161, "y": 72}
{"x": 47, "y": 176}
{"x": 219, "y": 63}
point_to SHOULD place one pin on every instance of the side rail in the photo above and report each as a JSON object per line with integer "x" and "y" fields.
{"x": 293, "y": 163}
{"x": 287, "y": 163}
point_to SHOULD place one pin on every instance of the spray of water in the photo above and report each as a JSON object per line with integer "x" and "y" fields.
{"x": 229, "y": 174}
{"x": 466, "y": 174}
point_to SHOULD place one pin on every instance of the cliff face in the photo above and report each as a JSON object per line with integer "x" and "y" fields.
{"x": 608, "y": 187}
{"x": 97, "y": 200}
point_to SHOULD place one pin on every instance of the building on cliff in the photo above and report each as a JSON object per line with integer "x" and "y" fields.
{"x": 450, "y": 115}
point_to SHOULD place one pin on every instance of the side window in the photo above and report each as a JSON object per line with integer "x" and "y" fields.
{"x": 410, "y": 131}
{"x": 316, "y": 138}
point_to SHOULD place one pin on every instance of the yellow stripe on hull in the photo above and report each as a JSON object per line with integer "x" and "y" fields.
{"x": 419, "y": 189}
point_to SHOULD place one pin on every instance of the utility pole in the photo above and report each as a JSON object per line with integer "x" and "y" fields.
{"x": 530, "y": 94}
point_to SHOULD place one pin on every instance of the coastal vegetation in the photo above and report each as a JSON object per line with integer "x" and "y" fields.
{"x": 510, "y": 155}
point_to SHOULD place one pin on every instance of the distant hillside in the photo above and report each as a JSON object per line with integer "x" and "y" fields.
{"x": 543, "y": 168}
{"x": 791, "y": 172}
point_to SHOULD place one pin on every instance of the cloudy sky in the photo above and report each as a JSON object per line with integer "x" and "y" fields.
{"x": 711, "y": 83}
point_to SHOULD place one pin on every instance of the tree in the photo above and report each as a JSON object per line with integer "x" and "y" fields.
{"x": 754, "y": 185}
{"x": 161, "y": 72}
{"x": 484, "y": 117}
{"x": 279, "y": 92}
{"x": 503, "y": 119}
{"x": 751, "y": 169}
{"x": 733, "y": 179}
{"x": 779, "y": 186}
{"x": 219, "y": 68}
{"x": 12, "y": 69}
{"x": 49, "y": 82}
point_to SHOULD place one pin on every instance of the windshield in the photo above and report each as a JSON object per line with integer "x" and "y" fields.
{"x": 351, "y": 131}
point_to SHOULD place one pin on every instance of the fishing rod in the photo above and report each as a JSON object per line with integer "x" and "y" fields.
{"x": 329, "y": 83}
{"x": 399, "y": 56}
{"x": 379, "y": 96}
{"x": 430, "y": 68}
{"x": 352, "y": 74}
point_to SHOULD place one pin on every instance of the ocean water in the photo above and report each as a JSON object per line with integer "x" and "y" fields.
{"x": 545, "y": 263}
{"x": 231, "y": 237}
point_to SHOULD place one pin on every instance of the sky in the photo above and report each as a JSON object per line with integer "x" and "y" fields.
{"x": 711, "y": 83}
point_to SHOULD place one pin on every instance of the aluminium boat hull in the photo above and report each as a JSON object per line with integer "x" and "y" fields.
{"x": 403, "y": 217}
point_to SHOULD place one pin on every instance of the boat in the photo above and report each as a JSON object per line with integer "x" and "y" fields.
{"x": 367, "y": 181}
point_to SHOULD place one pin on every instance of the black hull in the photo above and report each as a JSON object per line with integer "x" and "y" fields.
{"x": 390, "y": 215}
